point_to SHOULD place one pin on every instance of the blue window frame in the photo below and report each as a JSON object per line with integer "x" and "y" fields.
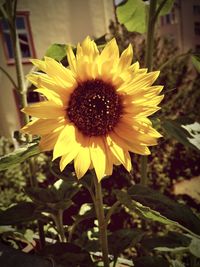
{"x": 24, "y": 35}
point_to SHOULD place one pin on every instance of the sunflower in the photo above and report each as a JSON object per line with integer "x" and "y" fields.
{"x": 95, "y": 111}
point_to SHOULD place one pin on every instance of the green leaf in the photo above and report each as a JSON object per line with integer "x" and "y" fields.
{"x": 185, "y": 130}
{"x": 14, "y": 257}
{"x": 119, "y": 240}
{"x": 173, "y": 211}
{"x": 18, "y": 156}
{"x": 196, "y": 62}
{"x": 67, "y": 254}
{"x": 133, "y": 15}
{"x": 150, "y": 262}
{"x": 194, "y": 247}
{"x": 57, "y": 51}
{"x": 56, "y": 197}
{"x": 19, "y": 213}
{"x": 144, "y": 211}
{"x": 166, "y": 8}
{"x": 171, "y": 240}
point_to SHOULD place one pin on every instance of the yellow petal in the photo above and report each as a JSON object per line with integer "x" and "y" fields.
{"x": 98, "y": 156}
{"x": 140, "y": 81}
{"x": 48, "y": 141}
{"x": 66, "y": 141}
{"x": 55, "y": 69}
{"x": 67, "y": 158}
{"x": 111, "y": 51}
{"x": 119, "y": 153}
{"x": 71, "y": 59}
{"x": 50, "y": 95}
{"x": 82, "y": 161}
{"x": 42, "y": 126}
{"x": 89, "y": 48}
{"x": 126, "y": 58}
{"x": 137, "y": 134}
{"x": 40, "y": 64}
{"x": 45, "y": 110}
{"x": 42, "y": 80}
{"x": 134, "y": 67}
{"x": 109, "y": 160}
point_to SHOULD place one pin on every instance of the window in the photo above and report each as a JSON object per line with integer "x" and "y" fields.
{"x": 197, "y": 28}
{"x": 169, "y": 18}
{"x": 196, "y": 9}
{"x": 24, "y": 34}
{"x": 197, "y": 49}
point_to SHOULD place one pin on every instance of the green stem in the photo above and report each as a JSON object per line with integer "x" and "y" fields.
{"x": 20, "y": 80}
{"x": 149, "y": 64}
{"x": 19, "y": 72}
{"x": 150, "y": 35}
{"x": 58, "y": 219}
{"x": 101, "y": 222}
{"x": 41, "y": 234}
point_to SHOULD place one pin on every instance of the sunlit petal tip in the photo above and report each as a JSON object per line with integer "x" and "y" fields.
{"x": 87, "y": 40}
{"x": 24, "y": 129}
{"x": 62, "y": 166}
{"x": 156, "y": 74}
{"x": 40, "y": 64}
{"x": 130, "y": 49}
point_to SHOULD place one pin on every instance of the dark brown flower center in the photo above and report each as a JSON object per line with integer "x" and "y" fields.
{"x": 95, "y": 107}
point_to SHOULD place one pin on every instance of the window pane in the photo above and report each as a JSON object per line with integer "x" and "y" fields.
{"x": 197, "y": 49}
{"x": 8, "y": 45}
{"x": 196, "y": 9}
{"x": 20, "y": 24}
{"x": 197, "y": 28}
{"x": 24, "y": 45}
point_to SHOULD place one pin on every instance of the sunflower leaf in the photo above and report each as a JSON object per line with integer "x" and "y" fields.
{"x": 15, "y": 257}
{"x": 144, "y": 211}
{"x": 68, "y": 254}
{"x": 160, "y": 205}
{"x": 57, "y": 51}
{"x": 56, "y": 197}
{"x": 122, "y": 239}
{"x": 171, "y": 241}
{"x": 154, "y": 206}
{"x": 19, "y": 213}
{"x": 185, "y": 130}
{"x": 133, "y": 15}
{"x": 18, "y": 156}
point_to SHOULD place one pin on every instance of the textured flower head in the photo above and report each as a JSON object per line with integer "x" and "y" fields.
{"x": 96, "y": 109}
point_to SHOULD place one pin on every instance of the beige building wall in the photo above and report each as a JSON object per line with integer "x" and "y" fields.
{"x": 51, "y": 21}
{"x": 180, "y": 24}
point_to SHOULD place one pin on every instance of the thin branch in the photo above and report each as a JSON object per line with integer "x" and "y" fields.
{"x": 110, "y": 211}
{"x": 169, "y": 61}
{"x": 158, "y": 10}
{"x": 9, "y": 77}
